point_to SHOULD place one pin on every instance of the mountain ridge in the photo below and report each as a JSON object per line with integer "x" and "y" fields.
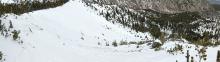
{"x": 164, "y": 6}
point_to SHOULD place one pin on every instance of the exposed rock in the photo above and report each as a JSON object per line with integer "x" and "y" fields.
{"x": 156, "y": 45}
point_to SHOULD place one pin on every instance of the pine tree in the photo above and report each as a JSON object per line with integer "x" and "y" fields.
{"x": 218, "y": 56}
{"x": 187, "y": 56}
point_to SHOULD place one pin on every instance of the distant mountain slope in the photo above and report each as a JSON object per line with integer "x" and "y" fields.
{"x": 164, "y": 6}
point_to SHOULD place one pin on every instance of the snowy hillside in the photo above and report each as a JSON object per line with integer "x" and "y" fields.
{"x": 75, "y": 33}
{"x": 7, "y": 1}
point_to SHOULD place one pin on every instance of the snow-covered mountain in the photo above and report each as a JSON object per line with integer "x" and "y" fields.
{"x": 74, "y": 32}
{"x": 67, "y": 33}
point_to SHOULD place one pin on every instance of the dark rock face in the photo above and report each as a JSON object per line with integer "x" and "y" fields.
{"x": 164, "y": 6}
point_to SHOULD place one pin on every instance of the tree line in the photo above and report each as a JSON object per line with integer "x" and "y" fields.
{"x": 182, "y": 25}
{"x": 27, "y": 6}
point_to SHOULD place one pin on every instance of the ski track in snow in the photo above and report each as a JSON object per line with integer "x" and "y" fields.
{"x": 56, "y": 34}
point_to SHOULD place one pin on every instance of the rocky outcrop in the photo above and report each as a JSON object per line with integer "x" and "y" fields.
{"x": 165, "y": 6}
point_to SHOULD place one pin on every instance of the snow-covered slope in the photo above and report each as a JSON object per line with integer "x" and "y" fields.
{"x": 71, "y": 33}
{"x": 63, "y": 34}
{"x": 7, "y": 1}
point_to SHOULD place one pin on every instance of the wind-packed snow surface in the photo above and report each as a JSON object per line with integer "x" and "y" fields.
{"x": 71, "y": 33}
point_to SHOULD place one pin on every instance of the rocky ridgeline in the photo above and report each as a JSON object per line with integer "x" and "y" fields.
{"x": 164, "y": 6}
